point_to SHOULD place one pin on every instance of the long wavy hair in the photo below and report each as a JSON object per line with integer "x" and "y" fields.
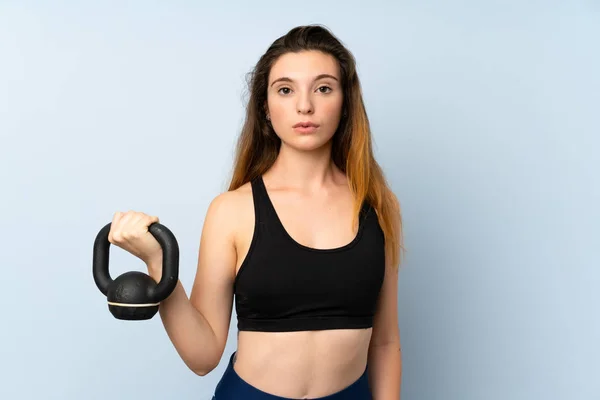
{"x": 258, "y": 145}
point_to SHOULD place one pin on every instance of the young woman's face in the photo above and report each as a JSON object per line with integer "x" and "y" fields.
{"x": 305, "y": 88}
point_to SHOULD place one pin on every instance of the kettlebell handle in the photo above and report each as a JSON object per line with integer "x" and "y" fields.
{"x": 170, "y": 262}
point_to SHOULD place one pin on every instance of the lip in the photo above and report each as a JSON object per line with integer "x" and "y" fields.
{"x": 306, "y": 129}
{"x": 306, "y": 124}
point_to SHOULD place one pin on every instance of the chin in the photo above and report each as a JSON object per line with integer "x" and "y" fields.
{"x": 306, "y": 142}
{"x": 306, "y": 147}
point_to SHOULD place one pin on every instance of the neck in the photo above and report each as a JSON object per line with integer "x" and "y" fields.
{"x": 303, "y": 169}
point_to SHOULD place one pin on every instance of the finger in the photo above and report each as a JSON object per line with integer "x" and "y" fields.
{"x": 130, "y": 225}
{"x": 135, "y": 219}
{"x": 116, "y": 217}
{"x": 128, "y": 221}
{"x": 114, "y": 226}
{"x": 147, "y": 221}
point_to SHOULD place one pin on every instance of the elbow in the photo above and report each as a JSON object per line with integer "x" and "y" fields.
{"x": 202, "y": 370}
{"x": 203, "y": 361}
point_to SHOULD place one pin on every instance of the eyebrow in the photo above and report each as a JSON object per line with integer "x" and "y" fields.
{"x": 321, "y": 76}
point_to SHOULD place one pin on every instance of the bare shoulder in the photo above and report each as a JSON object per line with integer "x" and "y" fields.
{"x": 219, "y": 239}
{"x": 230, "y": 208}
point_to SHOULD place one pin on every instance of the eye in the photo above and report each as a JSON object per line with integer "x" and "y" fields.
{"x": 327, "y": 89}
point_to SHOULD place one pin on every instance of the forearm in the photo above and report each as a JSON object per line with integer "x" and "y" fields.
{"x": 385, "y": 371}
{"x": 188, "y": 330}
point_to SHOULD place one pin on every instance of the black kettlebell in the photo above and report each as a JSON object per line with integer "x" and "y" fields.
{"x": 135, "y": 295}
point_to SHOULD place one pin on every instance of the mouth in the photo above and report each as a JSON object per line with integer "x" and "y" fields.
{"x": 306, "y": 125}
{"x": 306, "y": 129}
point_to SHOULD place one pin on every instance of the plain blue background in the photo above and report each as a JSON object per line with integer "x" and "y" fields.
{"x": 485, "y": 116}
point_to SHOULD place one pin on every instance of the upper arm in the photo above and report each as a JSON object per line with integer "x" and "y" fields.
{"x": 212, "y": 291}
{"x": 385, "y": 324}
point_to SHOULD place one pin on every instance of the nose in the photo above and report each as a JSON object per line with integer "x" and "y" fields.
{"x": 304, "y": 105}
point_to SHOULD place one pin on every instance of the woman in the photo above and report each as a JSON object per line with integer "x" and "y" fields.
{"x": 307, "y": 238}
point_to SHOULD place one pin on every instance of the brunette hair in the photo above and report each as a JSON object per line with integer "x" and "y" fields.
{"x": 258, "y": 145}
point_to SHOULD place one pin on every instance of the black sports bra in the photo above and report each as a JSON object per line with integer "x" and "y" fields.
{"x": 283, "y": 285}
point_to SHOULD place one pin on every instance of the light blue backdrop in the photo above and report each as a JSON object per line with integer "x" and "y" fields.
{"x": 485, "y": 116}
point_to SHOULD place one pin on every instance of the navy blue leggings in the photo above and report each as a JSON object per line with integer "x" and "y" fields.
{"x": 233, "y": 387}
